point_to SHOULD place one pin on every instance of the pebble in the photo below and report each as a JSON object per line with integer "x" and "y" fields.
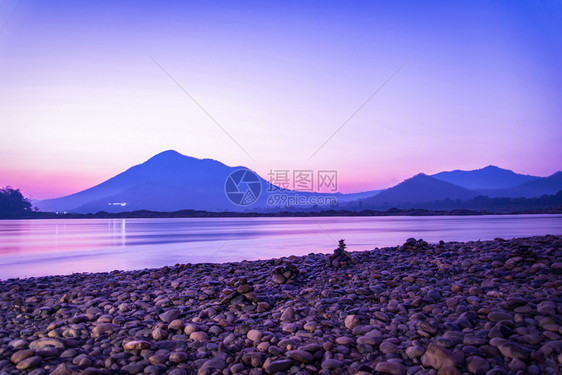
{"x": 390, "y": 368}
{"x": 20, "y": 355}
{"x": 478, "y": 307}
{"x": 29, "y": 363}
{"x": 301, "y": 356}
{"x": 136, "y": 345}
{"x": 278, "y": 366}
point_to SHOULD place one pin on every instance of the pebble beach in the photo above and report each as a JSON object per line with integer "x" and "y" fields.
{"x": 481, "y": 307}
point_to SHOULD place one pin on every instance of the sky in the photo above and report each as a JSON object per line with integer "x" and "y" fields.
{"x": 89, "y": 89}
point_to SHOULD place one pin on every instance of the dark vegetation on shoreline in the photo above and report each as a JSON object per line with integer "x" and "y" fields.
{"x": 13, "y": 205}
{"x": 327, "y": 213}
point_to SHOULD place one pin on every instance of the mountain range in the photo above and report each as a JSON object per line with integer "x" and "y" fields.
{"x": 170, "y": 181}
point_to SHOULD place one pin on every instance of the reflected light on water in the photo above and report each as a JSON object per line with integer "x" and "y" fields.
{"x": 63, "y": 246}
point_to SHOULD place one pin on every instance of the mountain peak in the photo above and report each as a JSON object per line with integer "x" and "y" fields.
{"x": 492, "y": 167}
{"x": 490, "y": 177}
{"x": 168, "y": 154}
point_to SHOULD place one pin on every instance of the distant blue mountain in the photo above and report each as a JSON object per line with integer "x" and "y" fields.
{"x": 490, "y": 177}
{"x": 418, "y": 189}
{"x": 534, "y": 188}
{"x": 169, "y": 181}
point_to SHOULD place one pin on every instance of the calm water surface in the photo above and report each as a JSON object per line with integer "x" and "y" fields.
{"x": 51, "y": 247}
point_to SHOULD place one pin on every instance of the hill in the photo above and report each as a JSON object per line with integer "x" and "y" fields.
{"x": 417, "y": 189}
{"x": 490, "y": 177}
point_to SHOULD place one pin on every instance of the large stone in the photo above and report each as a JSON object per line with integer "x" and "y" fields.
{"x": 278, "y": 278}
{"x": 351, "y": 321}
{"x": 288, "y": 314}
{"x": 301, "y": 356}
{"x": 45, "y": 343}
{"x": 414, "y": 351}
{"x": 20, "y": 355}
{"x": 176, "y": 324}
{"x": 104, "y": 328}
{"x": 331, "y": 364}
{"x": 170, "y": 315}
{"x": 546, "y": 308}
{"x": 132, "y": 368}
{"x": 29, "y": 363}
{"x": 254, "y": 335}
{"x": 210, "y": 365}
{"x": 61, "y": 369}
{"x": 136, "y": 345}
{"x": 278, "y": 365}
{"x": 390, "y": 368}
{"x": 199, "y": 336}
{"x": 511, "y": 349}
{"x": 498, "y": 316}
{"x": 178, "y": 357}
{"x": 477, "y": 365}
{"x": 437, "y": 356}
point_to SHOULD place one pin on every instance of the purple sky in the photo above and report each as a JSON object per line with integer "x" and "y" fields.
{"x": 80, "y": 99}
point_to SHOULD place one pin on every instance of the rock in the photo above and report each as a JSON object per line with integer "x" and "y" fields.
{"x": 176, "y": 324}
{"x": 285, "y": 274}
{"x": 278, "y": 365}
{"x": 448, "y": 370}
{"x": 190, "y": 328}
{"x": 517, "y": 365}
{"x": 170, "y": 315}
{"x": 288, "y": 314}
{"x": 340, "y": 257}
{"x": 210, "y": 365}
{"x": 29, "y": 363}
{"x": 178, "y": 357}
{"x": 437, "y": 356}
{"x": 387, "y": 348}
{"x": 136, "y": 345}
{"x": 159, "y": 334}
{"x": 20, "y": 355}
{"x": 61, "y": 369}
{"x": 351, "y": 321}
{"x": 254, "y": 335}
{"x": 479, "y": 307}
{"x": 199, "y": 336}
{"x": 546, "y": 308}
{"x": 278, "y": 278}
{"x": 301, "y": 356}
{"x": 104, "y": 328}
{"x": 331, "y": 364}
{"x": 477, "y": 365}
{"x": 414, "y": 351}
{"x": 390, "y": 368}
{"x": 498, "y": 316}
{"x": 45, "y": 343}
{"x": 132, "y": 368}
{"x": 344, "y": 340}
{"x": 17, "y": 344}
{"x": 513, "y": 350}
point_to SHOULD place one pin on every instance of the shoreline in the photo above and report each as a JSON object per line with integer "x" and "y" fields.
{"x": 448, "y": 308}
{"x": 146, "y": 214}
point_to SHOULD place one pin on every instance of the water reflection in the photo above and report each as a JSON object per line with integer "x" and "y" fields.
{"x": 43, "y": 247}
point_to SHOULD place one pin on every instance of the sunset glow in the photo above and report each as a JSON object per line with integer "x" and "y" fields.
{"x": 81, "y": 100}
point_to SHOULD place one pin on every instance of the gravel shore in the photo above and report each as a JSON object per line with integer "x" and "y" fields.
{"x": 490, "y": 307}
